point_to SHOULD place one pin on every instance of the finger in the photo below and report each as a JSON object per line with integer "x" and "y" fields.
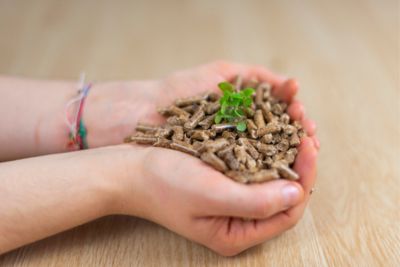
{"x": 306, "y": 164}
{"x": 287, "y": 90}
{"x": 260, "y": 230}
{"x": 265, "y": 75}
{"x": 257, "y": 200}
{"x": 296, "y": 110}
{"x": 309, "y": 126}
{"x": 229, "y": 70}
{"x": 297, "y": 113}
{"x": 306, "y": 167}
{"x": 254, "y": 232}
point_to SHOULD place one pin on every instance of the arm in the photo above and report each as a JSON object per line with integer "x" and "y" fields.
{"x": 183, "y": 193}
{"x": 45, "y": 195}
{"x": 49, "y": 194}
{"x": 33, "y": 111}
{"x": 32, "y": 117}
{"x": 33, "y": 114}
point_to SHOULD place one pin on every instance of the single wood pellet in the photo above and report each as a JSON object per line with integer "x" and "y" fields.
{"x": 265, "y": 151}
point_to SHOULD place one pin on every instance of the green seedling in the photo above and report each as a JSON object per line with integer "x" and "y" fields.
{"x": 234, "y": 105}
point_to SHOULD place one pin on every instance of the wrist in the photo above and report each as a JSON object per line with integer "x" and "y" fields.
{"x": 120, "y": 189}
{"x": 113, "y": 109}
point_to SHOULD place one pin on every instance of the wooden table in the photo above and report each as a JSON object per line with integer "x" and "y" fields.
{"x": 346, "y": 55}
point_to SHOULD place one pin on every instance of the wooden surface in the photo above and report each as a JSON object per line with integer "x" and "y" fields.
{"x": 346, "y": 55}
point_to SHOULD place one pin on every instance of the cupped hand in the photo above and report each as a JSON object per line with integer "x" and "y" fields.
{"x": 114, "y": 108}
{"x": 192, "y": 199}
{"x": 206, "y": 77}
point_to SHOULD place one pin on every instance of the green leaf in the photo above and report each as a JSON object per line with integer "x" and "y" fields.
{"x": 225, "y": 87}
{"x": 248, "y": 91}
{"x": 241, "y": 126}
{"x": 218, "y": 118}
{"x": 240, "y": 112}
{"x": 236, "y": 96}
{"x": 224, "y": 98}
{"x": 223, "y": 108}
{"x": 247, "y": 102}
{"x": 229, "y": 116}
{"x": 236, "y": 102}
{"x": 233, "y": 105}
{"x": 235, "y": 112}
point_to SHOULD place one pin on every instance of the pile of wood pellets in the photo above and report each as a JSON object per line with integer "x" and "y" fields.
{"x": 266, "y": 150}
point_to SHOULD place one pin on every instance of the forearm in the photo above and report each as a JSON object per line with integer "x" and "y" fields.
{"x": 46, "y": 195}
{"x": 32, "y": 120}
{"x": 33, "y": 114}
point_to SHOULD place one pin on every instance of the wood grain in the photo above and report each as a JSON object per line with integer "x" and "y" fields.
{"x": 346, "y": 55}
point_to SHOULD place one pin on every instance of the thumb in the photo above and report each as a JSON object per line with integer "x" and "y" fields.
{"x": 258, "y": 200}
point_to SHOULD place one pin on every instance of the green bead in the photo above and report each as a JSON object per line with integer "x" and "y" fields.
{"x": 83, "y": 133}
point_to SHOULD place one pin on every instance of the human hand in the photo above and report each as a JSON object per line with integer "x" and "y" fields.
{"x": 114, "y": 108}
{"x": 192, "y": 199}
{"x": 206, "y": 77}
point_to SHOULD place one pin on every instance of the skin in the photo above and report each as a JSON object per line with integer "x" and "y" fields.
{"x": 44, "y": 195}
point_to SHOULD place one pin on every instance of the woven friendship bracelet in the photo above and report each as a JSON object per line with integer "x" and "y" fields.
{"x": 77, "y": 130}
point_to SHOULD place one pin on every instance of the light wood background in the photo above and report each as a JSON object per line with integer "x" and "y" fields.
{"x": 346, "y": 55}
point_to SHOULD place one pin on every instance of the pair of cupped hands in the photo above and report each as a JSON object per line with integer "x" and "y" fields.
{"x": 181, "y": 192}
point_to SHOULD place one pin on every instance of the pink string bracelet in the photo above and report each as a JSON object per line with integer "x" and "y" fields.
{"x": 77, "y": 131}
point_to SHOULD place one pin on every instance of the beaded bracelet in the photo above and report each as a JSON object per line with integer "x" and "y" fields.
{"x": 77, "y": 130}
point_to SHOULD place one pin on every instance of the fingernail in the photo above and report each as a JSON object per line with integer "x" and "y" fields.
{"x": 290, "y": 195}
